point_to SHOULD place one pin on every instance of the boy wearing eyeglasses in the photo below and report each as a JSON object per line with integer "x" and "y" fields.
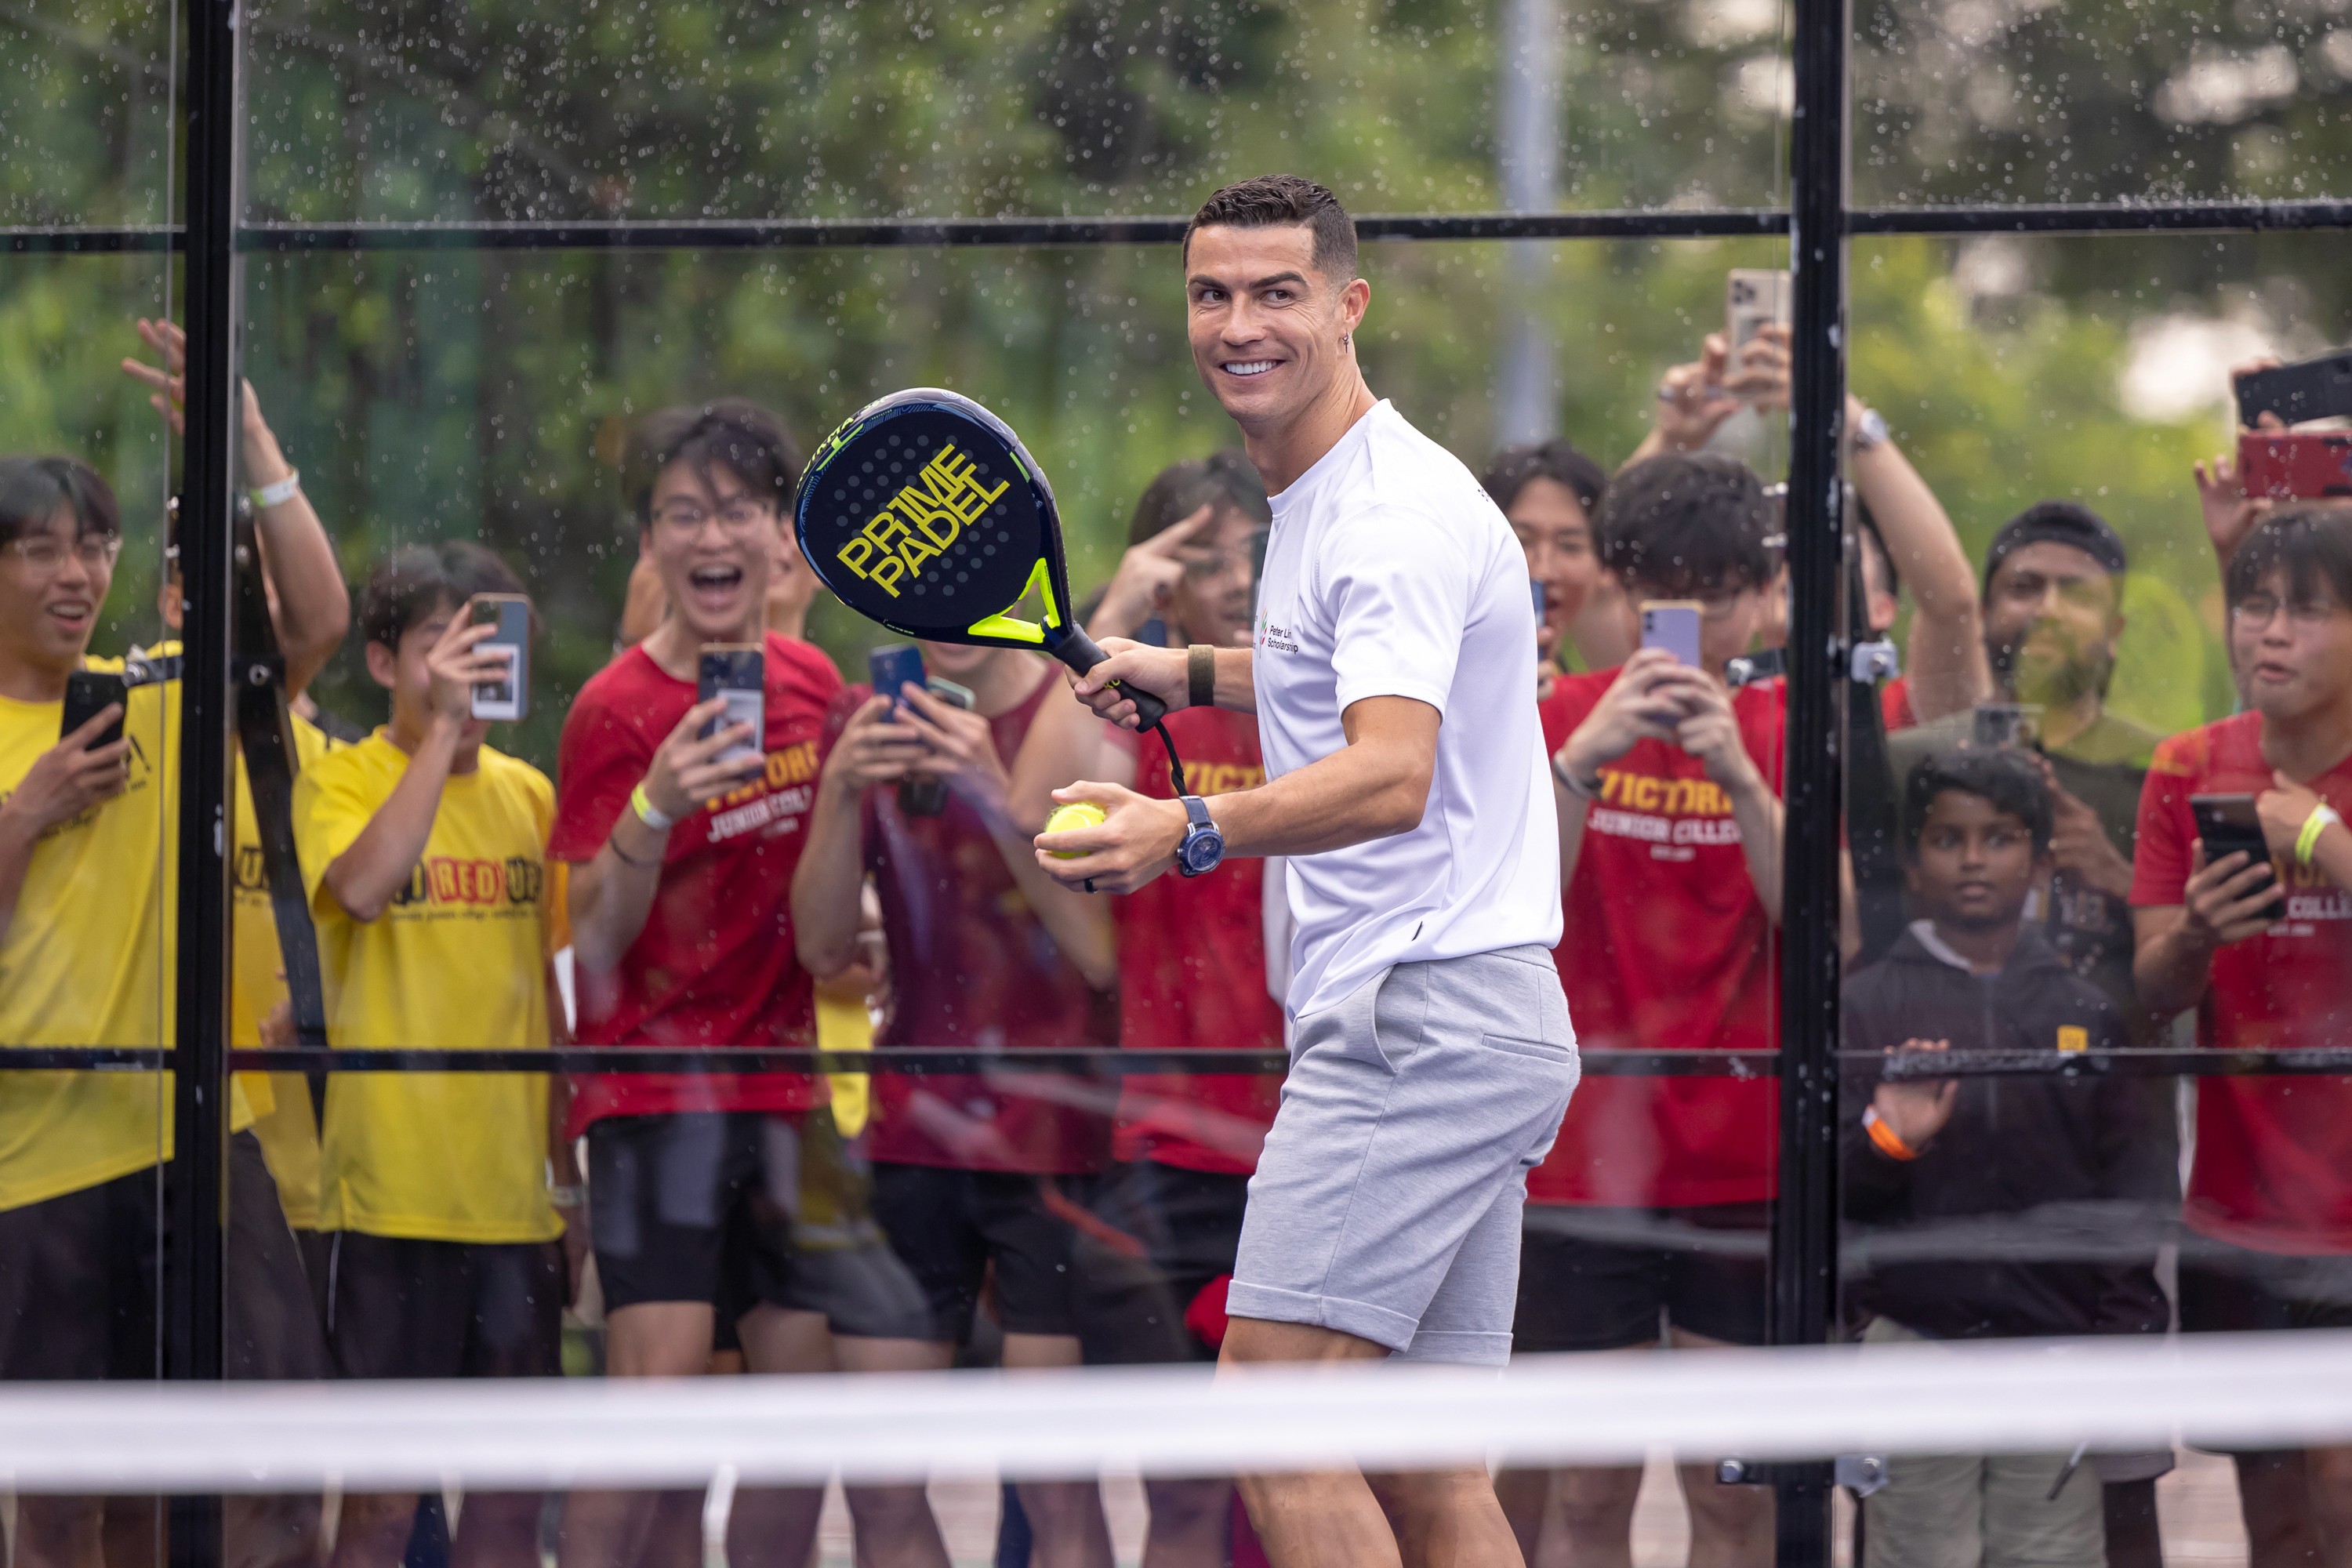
{"x": 2267, "y": 1218}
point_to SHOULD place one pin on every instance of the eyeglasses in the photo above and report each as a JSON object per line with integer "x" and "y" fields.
{"x": 46, "y": 553}
{"x": 737, "y": 517}
{"x": 2257, "y": 610}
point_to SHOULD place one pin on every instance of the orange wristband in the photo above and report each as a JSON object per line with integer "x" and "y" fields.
{"x": 1884, "y": 1137}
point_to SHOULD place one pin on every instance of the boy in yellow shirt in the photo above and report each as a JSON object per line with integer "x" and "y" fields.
{"x": 423, "y": 852}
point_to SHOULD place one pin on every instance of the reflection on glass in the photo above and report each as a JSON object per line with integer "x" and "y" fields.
{"x": 2011, "y": 1166}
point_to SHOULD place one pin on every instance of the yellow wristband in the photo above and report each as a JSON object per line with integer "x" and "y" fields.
{"x": 649, "y": 814}
{"x": 2306, "y": 843}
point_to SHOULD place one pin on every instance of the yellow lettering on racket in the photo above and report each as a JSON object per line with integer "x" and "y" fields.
{"x": 946, "y": 497}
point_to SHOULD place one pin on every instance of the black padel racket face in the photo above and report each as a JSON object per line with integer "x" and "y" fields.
{"x": 924, "y": 512}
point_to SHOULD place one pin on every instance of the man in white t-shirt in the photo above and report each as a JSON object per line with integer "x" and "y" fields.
{"x": 1431, "y": 1055}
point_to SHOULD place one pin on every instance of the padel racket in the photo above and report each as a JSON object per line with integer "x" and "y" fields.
{"x": 925, "y": 512}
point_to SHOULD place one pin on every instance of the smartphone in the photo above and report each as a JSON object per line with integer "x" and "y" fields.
{"x": 2306, "y": 465}
{"x": 1998, "y": 725}
{"x": 893, "y": 668}
{"x": 1673, "y": 624}
{"x": 949, "y": 692}
{"x": 86, "y": 692}
{"x": 509, "y": 697}
{"x": 2313, "y": 389}
{"x": 1753, "y": 299}
{"x": 2229, "y": 823}
{"x": 737, "y": 672}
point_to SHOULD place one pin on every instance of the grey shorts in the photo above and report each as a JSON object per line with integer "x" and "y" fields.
{"x": 1387, "y": 1202}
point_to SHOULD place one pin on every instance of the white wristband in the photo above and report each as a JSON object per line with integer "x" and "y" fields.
{"x": 286, "y": 490}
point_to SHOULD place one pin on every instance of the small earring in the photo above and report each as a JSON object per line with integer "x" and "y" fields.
{"x": 1343, "y": 340}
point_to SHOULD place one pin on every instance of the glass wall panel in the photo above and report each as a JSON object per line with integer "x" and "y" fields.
{"x": 2100, "y": 102}
{"x": 2100, "y": 872}
{"x": 386, "y": 112}
{"x": 440, "y": 403}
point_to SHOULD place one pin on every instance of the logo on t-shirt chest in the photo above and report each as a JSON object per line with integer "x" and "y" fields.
{"x": 456, "y": 883}
{"x": 774, "y": 802}
{"x": 1676, "y": 817}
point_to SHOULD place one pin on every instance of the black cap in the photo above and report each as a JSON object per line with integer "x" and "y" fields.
{"x": 2057, "y": 522}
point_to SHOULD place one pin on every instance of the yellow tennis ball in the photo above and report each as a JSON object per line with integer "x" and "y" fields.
{"x": 1067, "y": 818}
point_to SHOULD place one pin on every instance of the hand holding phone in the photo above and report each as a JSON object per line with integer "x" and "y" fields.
{"x": 87, "y": 694}
{"x": 893, "y": 668}
{"x": 2311, "y": 389}
{"x": 2230, "y": 825}
{"x": 87, "y": 766}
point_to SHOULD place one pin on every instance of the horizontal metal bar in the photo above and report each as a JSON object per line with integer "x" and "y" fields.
{"x": 2103, "y": 217}
{"x": 33, "y": 237}
{"x": 772, "y": 233}
{"x": 1600, "y": 1061}
{"x": 1100, "y": 1060}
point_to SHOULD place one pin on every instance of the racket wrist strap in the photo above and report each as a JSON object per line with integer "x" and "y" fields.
{"x": 1201, "y": 675}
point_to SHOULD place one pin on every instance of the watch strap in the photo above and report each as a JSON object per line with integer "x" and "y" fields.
{"x": 1196, "y": 811}
{"x": 1201, "y": 675}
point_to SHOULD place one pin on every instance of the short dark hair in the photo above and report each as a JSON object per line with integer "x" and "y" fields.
{"x": 1513, "y": 469}
{"x": 1688, "y": 524}
{"x": 33, "y": 488}
{"x": 1284, "y": 201}
{"x": 1224, "y": 479}
{"x": 411, "y": 584}
{"x": 731, "y": 433}
{"x": 2002, "y": 777}
{"x": 2309, "y": 544}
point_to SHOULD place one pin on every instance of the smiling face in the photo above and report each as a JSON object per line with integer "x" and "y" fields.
{"x": 1266, "y": 323}
{"x": 2291, "y": 650}
{"x": 714, "y": 546}
{"x": 54, "y": 579}
{"x": 1557, "y": 537}
{"x": 1974, "y": 864}
{"x": 2051, "y": 623}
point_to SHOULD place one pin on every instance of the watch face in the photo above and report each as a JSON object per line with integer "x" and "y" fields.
{"x": 1202, "y": 848}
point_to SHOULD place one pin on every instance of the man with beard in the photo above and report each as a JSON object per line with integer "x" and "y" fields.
{"x": 2052, "y": 610}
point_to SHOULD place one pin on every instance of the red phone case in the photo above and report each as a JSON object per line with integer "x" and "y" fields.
{"x": 2284, "y": 466}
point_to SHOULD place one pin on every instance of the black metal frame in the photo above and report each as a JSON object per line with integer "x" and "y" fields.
{"x": 1818, "y": 223}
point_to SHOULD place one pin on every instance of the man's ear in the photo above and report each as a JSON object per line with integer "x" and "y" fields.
{"x": 1354, "y": 300}
{"x": 383, "y": 665}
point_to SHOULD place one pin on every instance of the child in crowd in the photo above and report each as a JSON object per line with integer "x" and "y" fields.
{"x": 2070, "y": 1164}
{"x": 423, "y": 852}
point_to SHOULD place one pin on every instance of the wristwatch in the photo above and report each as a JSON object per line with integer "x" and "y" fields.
{"x": 1202, "y": 847}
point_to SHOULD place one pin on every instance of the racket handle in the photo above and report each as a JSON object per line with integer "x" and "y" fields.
{"x": 1082, "y": 653}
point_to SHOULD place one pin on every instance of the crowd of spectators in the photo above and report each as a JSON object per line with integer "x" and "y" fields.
{"x": 866, "y": 859}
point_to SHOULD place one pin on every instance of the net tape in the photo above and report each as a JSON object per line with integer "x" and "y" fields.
{"x": 2263, "y": 1391}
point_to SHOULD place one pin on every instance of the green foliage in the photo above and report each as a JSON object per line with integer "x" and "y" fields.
{"x": 436, "y": 391}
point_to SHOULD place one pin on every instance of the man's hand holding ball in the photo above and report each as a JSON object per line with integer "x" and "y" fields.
{"x": 1105, "y": 839}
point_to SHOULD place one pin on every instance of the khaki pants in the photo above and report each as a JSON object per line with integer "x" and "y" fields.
{"x": 1980, "y": 1511}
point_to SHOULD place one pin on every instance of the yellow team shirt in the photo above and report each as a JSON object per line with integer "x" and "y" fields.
{"x": 88, "y": 959}
{"x": 285, "y": 1122}
{"x": 457, "y": 961}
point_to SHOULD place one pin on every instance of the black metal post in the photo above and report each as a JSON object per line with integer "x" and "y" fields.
{"x": 1804, "y": 1225}
{"x": 197, "y": 1181}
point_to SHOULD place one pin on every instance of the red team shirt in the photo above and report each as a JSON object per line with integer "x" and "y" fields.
{"x": 1666, "y": 947}
{"x": 714, "y": 965}
{"x": 971, "y": 969}
{"x": 2273, "y": 1153}
{"x": 1191, "y": 971}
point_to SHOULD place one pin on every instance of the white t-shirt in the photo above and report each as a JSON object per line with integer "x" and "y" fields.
{"x": 1390, "y": 573}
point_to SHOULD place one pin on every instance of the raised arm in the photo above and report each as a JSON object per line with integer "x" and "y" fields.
{"x": 826, "y": 885}
{"x": 1946, "y": 654}
{"x": 311, "y": 605}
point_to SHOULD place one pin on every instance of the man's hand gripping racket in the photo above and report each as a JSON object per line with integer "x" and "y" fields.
{"x": 925, "y": 512}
